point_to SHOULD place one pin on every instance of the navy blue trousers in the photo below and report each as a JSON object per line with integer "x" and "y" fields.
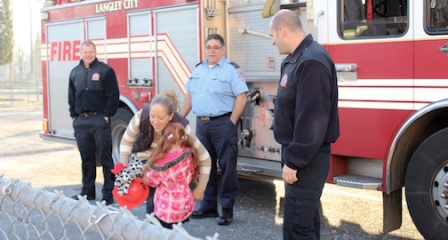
{"x": 219, "y": 136}
{"x": 94, "y": 133}
{"x": 301, "y": 215}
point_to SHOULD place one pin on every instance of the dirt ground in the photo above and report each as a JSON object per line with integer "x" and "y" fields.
{"x": 347, "y": 213}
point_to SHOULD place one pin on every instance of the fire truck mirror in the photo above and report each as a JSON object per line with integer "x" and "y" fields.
{"x": 270, "y": 8}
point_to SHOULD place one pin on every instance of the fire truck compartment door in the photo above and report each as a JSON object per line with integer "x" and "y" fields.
{"x": 63, "y": 53}
{"x": 177, "y": 49}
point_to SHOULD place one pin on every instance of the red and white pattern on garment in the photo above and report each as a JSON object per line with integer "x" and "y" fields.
{"x": 240, "y": 75}
{"x": 284, "y": 80}
{"x": 173, "y": 199}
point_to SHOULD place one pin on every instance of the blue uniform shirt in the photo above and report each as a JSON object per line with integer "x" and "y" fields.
{"x": 214, "y": 89}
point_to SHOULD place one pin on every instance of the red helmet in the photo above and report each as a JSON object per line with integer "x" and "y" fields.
{"x": 138, "y": 192}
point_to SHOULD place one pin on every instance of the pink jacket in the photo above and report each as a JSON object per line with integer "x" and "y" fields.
{"x": 171, "y": 176}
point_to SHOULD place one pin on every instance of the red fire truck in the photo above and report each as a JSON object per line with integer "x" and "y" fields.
{"x": 391, "y": 57}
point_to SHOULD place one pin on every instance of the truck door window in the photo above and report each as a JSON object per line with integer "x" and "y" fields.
{"x": 372, "y": 18}
{"x": 436, "y": 16}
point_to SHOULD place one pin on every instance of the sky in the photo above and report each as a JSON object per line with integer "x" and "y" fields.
{"x": 22, "y": 19}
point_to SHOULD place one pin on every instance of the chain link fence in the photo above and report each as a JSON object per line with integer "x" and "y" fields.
{"x": 13, "y": 94}
{"x": 34, "y": 213}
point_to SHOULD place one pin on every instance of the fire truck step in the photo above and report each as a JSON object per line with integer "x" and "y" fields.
{"x": 357, "y": 181}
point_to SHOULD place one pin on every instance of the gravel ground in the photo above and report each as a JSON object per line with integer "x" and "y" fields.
{"x": 347, "y": 213}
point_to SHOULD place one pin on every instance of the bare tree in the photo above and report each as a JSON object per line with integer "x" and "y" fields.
{"x": 37, "y": 62}
{"x": 21, "y": 64}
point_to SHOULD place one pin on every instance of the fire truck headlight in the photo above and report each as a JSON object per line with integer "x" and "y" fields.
{"x": 145, "y": 96}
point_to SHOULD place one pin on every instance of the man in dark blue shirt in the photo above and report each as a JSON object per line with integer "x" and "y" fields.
{"x": 93, "y": 97}
{"x": 306, "y": 122}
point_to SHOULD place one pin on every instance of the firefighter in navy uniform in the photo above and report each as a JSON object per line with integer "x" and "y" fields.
{"x": 306, "y": 122}
{"x": 93, "y": 98}
{"x": 216, "y": 92}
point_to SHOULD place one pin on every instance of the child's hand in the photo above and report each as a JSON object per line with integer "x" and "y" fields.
{"x": 198, "y": 194}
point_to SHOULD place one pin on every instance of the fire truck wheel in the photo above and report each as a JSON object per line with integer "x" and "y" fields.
{"x": 119, "y": 123}
{"x": 426, "y": 186}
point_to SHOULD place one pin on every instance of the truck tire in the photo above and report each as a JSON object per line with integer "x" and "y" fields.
{"x": 426, "y": 186}
{"x": 118, "y": 125}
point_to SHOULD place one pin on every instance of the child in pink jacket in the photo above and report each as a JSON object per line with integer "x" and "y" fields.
{"x": 174, "y": 166}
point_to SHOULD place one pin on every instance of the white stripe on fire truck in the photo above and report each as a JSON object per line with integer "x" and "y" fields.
{"x": 397, "y": 82}
{"x": 405, "y": 94}
{"x": 381, "y": 105}
{"x": 143, "y": 47}
{"x": 375, "y": 105}
{"x": 166, "y": 51}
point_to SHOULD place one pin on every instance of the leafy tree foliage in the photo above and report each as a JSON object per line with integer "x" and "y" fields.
{"x": 6, "y": 33}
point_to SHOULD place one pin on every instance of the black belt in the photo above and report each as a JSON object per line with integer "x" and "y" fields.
{"x": 86, "y": 114}
{"x": 215, "y": 117}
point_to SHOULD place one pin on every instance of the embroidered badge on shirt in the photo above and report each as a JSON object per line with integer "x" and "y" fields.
{"x": 96, "y": 77}
{"x": 240, "y": 74}
{"x": 284, "y": 80}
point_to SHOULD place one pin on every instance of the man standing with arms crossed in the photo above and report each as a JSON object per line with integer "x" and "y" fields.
{"x": 216, "y": 92}
{"x": 93, "y": 96}
{"x": 306, "y": 122}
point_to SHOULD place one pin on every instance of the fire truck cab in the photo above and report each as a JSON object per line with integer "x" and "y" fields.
{"x": 390, "y": 56}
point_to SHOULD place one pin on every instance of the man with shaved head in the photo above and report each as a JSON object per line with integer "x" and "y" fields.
{"x": 306, "y": 122}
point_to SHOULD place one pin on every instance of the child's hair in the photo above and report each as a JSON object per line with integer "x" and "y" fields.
{"x": 173, "y": 133}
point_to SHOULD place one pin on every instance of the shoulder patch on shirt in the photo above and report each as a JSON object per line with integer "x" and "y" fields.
{"x": 234, "y": 65}
{"x": 198, "y": 64}
{"x": 284, "y": 80}
{"x": 240, "y": 74}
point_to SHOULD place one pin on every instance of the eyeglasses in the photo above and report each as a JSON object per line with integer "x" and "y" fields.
{"x": 214, "y": 47}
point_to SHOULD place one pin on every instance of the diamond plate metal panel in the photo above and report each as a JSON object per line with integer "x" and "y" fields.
{"x": 355, "y": 181}
{"x": 263, "y": 144}
{"x": 365, "y": 167}
{"x": 249, "y": 51}
{"x": 257, "y": 57}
